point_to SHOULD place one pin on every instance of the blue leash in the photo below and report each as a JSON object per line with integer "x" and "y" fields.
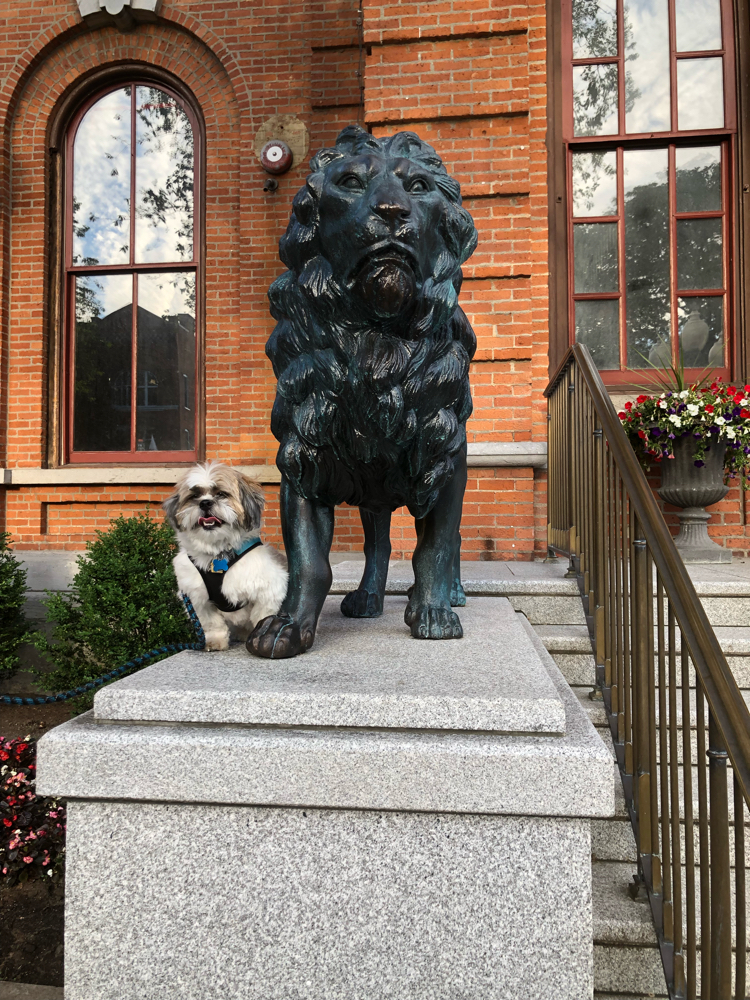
{"x": 134, "y": 664}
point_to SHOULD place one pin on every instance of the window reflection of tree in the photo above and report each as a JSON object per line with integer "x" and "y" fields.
{"x": 595, "y": 95}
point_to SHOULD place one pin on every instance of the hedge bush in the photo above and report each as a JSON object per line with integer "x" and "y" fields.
{"x": 14, "y": 628}
{"x": 123, "y": 602}
{"x": 32, "y": 829}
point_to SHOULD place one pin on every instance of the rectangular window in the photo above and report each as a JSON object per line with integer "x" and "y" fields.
{"x": 648, "y": 127}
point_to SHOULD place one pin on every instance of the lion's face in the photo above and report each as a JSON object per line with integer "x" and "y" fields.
{"x": 380, "y": 229}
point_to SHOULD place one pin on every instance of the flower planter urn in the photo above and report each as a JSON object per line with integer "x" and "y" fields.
{"x": 693, "y": 488}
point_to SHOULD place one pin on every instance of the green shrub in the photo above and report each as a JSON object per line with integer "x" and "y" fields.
{"x": 14, "y": 628}
{"x": 123, "y": 602}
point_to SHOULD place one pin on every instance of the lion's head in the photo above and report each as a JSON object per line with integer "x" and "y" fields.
{"x": 371, "y": 349}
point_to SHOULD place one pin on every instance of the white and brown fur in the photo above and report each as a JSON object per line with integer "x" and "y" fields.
{"x": 214, "y": 510}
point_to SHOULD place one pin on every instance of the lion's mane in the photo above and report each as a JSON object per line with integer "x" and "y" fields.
{"x": 366, "y": 414}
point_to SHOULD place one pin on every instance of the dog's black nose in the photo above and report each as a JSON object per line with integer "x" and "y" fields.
{"x": 206, "y": 504}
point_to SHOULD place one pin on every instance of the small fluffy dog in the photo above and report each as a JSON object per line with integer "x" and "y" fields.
{"x": 231, "y": 577}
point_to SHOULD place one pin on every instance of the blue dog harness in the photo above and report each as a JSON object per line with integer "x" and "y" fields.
{"x": 214, "y": 576}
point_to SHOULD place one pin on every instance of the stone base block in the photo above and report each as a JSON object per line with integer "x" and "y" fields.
{"x": 237, "y": 903}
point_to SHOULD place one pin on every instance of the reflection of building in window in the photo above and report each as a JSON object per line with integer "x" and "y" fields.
{"x": 165, "y": 360}
{"x": 649, "y": 228}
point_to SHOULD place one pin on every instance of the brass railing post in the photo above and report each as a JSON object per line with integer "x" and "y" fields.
{"x": 721, "y": 916}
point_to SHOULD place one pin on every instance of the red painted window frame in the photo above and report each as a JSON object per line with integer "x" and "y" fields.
{"x": 725, "y": 137}
{"x": 72, "y": 271}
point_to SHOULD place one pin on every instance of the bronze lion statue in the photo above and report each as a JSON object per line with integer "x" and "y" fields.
{"x": 371, "y": 351}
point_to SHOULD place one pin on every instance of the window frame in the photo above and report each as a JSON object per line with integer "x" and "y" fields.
{"x": 70, "y": 271}
{"x": 725, "y": 137}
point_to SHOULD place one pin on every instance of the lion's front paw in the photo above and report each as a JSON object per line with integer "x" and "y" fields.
{"x": 458, "y": 596}
{"x": 362, "y": 604}
{"x": 431, "y": 622}
{"x": 277, "y": 637}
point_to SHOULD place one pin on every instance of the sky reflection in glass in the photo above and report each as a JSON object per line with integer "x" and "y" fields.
{"x": 164, "y": 179}
{"x": 647, "y": 106}
{"x": 101, "y": 182}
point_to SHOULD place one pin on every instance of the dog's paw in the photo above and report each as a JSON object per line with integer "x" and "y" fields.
{"x": 216, "y": 641}
{"x": 276, "y": 638}
{"x": 458, "y": 595}
{"x": 362, "y": 604}
{"x": 431, "y": 622}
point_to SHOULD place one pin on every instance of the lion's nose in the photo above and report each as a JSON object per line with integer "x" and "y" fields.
{"x": 391, "y": 208}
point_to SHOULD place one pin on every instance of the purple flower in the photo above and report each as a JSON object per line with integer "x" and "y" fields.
{"x": 699, "y": 464}
{"x": 655, "y": 432}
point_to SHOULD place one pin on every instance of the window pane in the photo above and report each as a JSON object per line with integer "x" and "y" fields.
{"x": 166, "y": 362}
{"x": 101, "y": 182}
{"x": 597, "y": 326}
{"x": 700, "y": 93}
{"x": 698, "y": 25}
{"x": 595, "y": 99}
{"x": 699, "y": 263}
{"x": 698, "y": 179}
{"x": 701, "y": 330}
{"x": 595, "y": 183}
{"x": 646, "y": 252}
{"x": 594, "y": 28}
{"x": 647, "y": 107}
{"x": 595, "y": 256}
{"x": 164, "y": 178}
{"x": 103, "y": 337}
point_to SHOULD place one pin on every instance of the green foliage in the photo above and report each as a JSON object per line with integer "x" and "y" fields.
{"x": 14, "y": 628}
{"x": 123, "y": 603}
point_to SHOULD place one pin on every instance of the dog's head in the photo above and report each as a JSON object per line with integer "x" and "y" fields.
{"x": 214, "y": 508}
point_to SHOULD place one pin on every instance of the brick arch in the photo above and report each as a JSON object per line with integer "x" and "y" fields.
{"x": 31, "y": 274}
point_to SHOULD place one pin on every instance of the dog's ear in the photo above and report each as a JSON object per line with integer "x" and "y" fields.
{"x": 169, "y": 506}
{"x": 253, "y": 501}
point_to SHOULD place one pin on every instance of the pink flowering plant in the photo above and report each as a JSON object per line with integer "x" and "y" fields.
{"x": 710, "y": 414}
{"x": 32, "y": 829}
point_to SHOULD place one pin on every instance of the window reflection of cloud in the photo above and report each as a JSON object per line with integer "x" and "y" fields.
{"x": 647, "y": 66}
{"x": 99, "y": 295}
{"x": 594, "y": 29}
{"x": 698, "y": 24}
{"x": 595, "y": 183}
{"x": 167, "y": 294}
{"x": 164, "y": 173}
{"x": 101, "y": 184}
{"x": 700, "y": 93}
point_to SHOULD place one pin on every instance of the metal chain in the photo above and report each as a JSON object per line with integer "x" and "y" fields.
{"x": 134, "y": 664}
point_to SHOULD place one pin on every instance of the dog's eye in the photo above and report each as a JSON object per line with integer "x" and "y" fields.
{"x": 220, "y": 496}
{"x": 418, "y": 186}
{"x": 352, "y": 183}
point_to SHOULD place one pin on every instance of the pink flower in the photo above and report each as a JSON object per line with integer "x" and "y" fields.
{"x": 28, "y": 859}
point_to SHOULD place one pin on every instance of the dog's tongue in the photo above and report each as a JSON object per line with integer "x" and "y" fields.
{"x": 209, "y": 522}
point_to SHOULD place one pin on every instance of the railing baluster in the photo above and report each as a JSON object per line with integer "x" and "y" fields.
{"x": 643, "y": 667}
{"x": 705, "y": 870}
{"x": 740, "y": 903}
{"x": 674, "y": 791}
{"x": 687, "y": 788}
{"x": 720, "y": 987}
{"x": 666, "y": 854}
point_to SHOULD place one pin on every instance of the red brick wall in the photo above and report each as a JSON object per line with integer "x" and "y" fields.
{"x": 468, "y": 76}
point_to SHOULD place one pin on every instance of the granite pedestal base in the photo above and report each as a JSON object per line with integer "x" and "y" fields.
{"x": 439, "y": 850}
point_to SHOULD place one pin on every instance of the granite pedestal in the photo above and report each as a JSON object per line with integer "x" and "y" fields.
{"x": 381, "y": 817}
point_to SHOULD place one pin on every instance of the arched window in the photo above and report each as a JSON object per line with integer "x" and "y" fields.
{"x": 132, "y": 277}
{"x": 649, "y": 128}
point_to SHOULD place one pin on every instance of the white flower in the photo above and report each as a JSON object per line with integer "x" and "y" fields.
{"x": 684, "y": 394}
{"x": 693, "y": 409}
{"x": 663, "y": 404}
{"x": 719, "y": 420}
{"x": 675, "y": 420}
{"x": 731, "y": 434}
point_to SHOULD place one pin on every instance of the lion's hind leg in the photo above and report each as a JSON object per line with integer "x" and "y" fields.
{"x": 367, "y": 600}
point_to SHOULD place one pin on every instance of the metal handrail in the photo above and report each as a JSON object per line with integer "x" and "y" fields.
{"x": 639, "y": 600}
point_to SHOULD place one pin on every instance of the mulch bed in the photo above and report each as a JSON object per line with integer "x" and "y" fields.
{"x": 31, "y": 914}
{"x": 31, "y": 931}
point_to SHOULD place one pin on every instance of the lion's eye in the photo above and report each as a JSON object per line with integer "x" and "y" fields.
{"x": 418, "y": 186}
{"x": 351, "y": 182}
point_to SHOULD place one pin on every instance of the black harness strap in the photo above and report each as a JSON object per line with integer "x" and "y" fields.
{"x": 213, "y": 580}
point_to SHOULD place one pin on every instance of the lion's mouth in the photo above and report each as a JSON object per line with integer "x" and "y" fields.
{"x": 384, "y": 254}
{"x": 208, "y": 523}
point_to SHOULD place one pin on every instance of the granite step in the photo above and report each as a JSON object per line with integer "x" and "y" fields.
{"x": 27, "y": 991}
